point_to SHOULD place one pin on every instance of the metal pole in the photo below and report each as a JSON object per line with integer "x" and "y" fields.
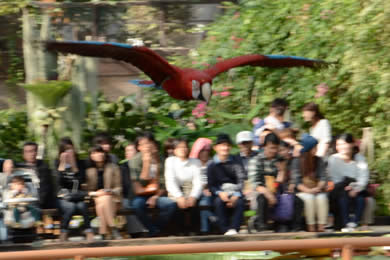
{"x": 276, "y": 245}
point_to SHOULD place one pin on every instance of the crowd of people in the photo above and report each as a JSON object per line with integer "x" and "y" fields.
{"x": 306, "y": 183}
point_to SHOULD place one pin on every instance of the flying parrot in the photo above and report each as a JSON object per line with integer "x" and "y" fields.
{"x": 180, "y": 83}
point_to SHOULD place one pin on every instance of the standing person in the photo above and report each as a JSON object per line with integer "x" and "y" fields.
{"x": 320, "y": 128}
{"x": 183, "y": 182}
{"x": 267, "y": 170}
{"x": 201, "y": 149}
{"x": 70, "y": 177}
{"x": 348, "y": 170}
{"x": 105, "y": 141}
{"x": 225, "y": 181}
{"x": 310, "y": 180}
{"x": 274, "y": 120}
{"x": 145, "y": 169}
{"x": 104, "y": 185}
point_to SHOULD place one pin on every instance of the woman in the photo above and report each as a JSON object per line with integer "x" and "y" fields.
{"x": 104, "y": 185}
{"x": 320, "y": 128}
{"x": 201, "y": 150}
{"x": 348, "y": 171}
{"x": 70, "y": 177}
{"x": 183, "y": 181}
{"x": 310, "y": 181}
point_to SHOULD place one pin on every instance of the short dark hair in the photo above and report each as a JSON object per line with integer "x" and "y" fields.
{"x": 271, "y": 138}
{"x": 102, "y": 138}
{"x": 30, "y": 143}
{"x": 17, "y": 179}
{"x": 279, "y": 102}
{"x": 177, "y": 141}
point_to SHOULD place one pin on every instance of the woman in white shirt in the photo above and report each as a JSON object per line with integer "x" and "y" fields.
{"x": 320, "y": 128}
{"x": 348, "y": 171}
{"x": 183, "y": 176}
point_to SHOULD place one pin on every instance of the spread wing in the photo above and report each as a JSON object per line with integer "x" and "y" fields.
{"x": 152, "y": 64}
{"x": 272, "y": 61}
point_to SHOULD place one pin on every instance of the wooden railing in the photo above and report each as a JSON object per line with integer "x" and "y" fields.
{"x": 347, "y": 245}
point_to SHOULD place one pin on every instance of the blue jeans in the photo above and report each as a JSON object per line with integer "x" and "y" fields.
{"x": 68, "y": 209}
{"x": 205, "y": 214}
{"x": 358, "y": 203}
{"x": 166, "y": 206}
{"x": 222, "y": 213}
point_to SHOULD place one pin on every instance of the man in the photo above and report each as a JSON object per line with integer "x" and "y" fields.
{"x": 244, "y": 140}
{"x": 274, "y": 121}
{"x": 225, "y": 181}
{"x": 47, "y": 198}
{"x": 145, "y": 168}
{"x": 267, "y": 170}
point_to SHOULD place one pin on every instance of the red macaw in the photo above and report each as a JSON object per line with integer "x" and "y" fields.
{"x": 180, "y": 83}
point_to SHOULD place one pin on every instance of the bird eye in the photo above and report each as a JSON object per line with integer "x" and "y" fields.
{"x": 206, "y": 92}
{"x": 195, "y": 89}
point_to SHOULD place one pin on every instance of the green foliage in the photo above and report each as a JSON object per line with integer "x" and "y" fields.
{"x": 50, "y": 92}
{"x": 352, "y": 33}
{"x": 13, "y": 132}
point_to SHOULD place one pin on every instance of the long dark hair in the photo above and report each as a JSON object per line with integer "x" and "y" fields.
{"x": 348, "y": 138}
{"x": 313, "y": 107}
{"x": 99, "y": 149}
{"x": 308, "y": 163}
{"x": 65, "y": 141}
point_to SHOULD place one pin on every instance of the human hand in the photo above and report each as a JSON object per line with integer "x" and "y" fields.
{"x": 190, "y": 202}
{"x": 353, "y": 193}
{"x": 152, "y": 201}
{"x": 271, "y": 199}
{"x": 233, "y": 201}
{"x": 224, "y": 196}
{"x": 181, "y": 203}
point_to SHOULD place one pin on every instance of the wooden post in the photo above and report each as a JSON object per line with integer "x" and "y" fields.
{"x": 347, "y": 252}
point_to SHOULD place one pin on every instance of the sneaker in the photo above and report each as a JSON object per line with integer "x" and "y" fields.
{"x": 231, "y": 232}
{"x": 115, "y": 234}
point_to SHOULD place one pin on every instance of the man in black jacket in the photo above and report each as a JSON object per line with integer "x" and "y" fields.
{"x": 225, "y": 181}
{"x": 47, "y": 198}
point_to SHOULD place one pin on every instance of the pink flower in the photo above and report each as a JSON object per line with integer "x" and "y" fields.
{"x": 215, "y": 93}
{"x": 224, "y": 93}
{"x": 199, "y": 110}
{"x": 211, "y": 121}
{"x": 322, "y": 89}
{"x": 206, "y": 64}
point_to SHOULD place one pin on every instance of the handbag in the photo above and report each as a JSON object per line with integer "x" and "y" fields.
{"x": 309, "y": 182}
{"x": 284, "y": 208}
{"x": 149, "y": 189}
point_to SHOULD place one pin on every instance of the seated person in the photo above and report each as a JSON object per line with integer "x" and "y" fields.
{"x": 71, "y": 175}
{"x": 47, "y": 198}
{"x": 225, "y": 181}
{"x": 310, "y": 180}
{"x": 266, "y": 170}
{"x": 18, "y": 190}
{"x": 145, "y": 168}
{"x": 201, "y": 149}
{"x": 348, "y": 170}
{"x": 183, "y": 180}
{"x": 104, "y": 185}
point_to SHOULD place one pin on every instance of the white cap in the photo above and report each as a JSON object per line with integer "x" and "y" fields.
{"x": 244, "y": 136}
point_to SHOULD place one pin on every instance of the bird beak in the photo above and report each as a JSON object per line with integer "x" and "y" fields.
{"x": 206, "y": 92}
